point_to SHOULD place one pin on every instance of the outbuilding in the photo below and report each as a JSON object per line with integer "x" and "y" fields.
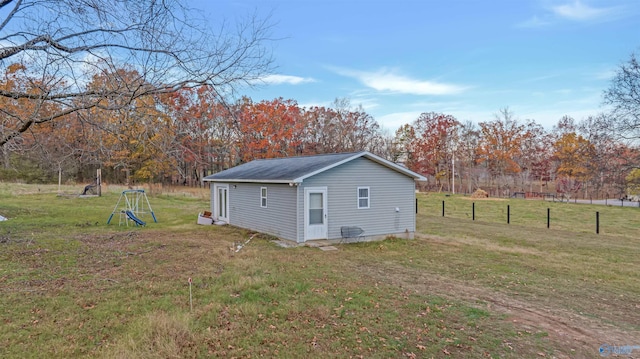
{"x": 355, "y": 195}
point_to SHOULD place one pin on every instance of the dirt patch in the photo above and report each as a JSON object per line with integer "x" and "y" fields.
{"x": 579, "y": 335}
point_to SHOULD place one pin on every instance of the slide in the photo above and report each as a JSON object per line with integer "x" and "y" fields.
{"x": 134, "y": 218}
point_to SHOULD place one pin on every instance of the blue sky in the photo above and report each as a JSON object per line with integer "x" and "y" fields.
{"x": 542, "y": 59}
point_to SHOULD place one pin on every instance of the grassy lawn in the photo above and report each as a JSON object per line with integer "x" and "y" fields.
{"x": 72, "y": 286}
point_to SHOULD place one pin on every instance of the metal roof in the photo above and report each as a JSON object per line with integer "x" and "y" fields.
{"x": 296, "y": 169}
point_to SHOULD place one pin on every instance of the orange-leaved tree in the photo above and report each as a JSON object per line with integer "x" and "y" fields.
{"x": 432, "y": 147}
{"x": 269, "y": 129}
{"x": 500, "y": 147}
{"x": 205, "y": 139}
{"x": 18, "y": 114}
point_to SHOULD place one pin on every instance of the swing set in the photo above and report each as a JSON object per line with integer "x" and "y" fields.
{"x": 135, "y": 205}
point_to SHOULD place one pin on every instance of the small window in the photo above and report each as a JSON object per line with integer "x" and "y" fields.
{"x": 363, "y": 197}
{"x": 263, "y": 197}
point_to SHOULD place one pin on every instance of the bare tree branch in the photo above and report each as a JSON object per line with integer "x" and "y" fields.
{"x": 624, "y": 95}
{"x": 63, "y": 45}
{"x": 12, "y": 13}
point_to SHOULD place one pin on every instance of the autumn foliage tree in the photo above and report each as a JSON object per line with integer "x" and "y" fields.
{"x": 572, "y": 153}
{"x": 402, "y": 144}
{"x": 609, "y": 157}
{"x": 269, "y": 129}
{"x": 467, "y": 157}
{"x": 323, "y": 130}
{"x": 358, "y": 130}
{"x": 500, "y": 148}
{"x": 431, "y": 139}
{"x": 204, "y": 132}
{"x": 534, "y": 161}
{"x": 64, "y": 147}
{"x": 16, "y": 112}
{"x": 633, "y": 182}
{"x": 137, "y": 138}
{"x": 341, "y": 128}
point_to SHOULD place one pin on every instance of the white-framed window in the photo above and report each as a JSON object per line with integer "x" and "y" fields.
{"x": 363, "y": 197}
{"x": 263, "y": 197}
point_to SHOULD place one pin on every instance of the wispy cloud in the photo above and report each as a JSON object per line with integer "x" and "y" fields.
{"x": 393, "y": 121}
{"x": 367, "y": 103}
{"x": 285, "y": 79}
{"x": 387, "y": 80}
{"x": 607, "y": 74}
{"x": 577, "y": 10}
{"x": 542, "y": 78}
{"x": 535, "y": 21}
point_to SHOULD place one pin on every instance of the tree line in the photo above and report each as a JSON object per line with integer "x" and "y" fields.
{"x": 182, "y": 136}
{"x": 111, "y": 85}
{"x": 507, "y": 155}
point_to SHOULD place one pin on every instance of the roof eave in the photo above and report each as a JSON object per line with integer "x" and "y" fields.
{"x": 238, "y": 180}
{"x": 395, "y": 166}
{"x": 403, "y": 170}
{"x": 381, "y": 161}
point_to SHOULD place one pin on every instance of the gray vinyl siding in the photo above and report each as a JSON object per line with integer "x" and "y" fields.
{"x": 212, "y": 197}
{"x": 388, "y": 189}
{"x": 277, "y": 219}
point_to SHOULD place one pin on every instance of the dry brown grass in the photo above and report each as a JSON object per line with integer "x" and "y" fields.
{"x": 462, "y": 289}
{"x": 159, "y": 335}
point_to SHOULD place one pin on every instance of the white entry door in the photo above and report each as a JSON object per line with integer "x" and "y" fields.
{"x": 221, "y": 200}
{"x": 315, "y": 213}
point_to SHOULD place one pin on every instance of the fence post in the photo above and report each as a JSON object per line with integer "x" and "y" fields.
{"x": 442, "y": 208}
{"x": 597, "y": 222}
{"x": 508, "y": 214}
{"x": 473, "y": 210}
{"x": 416, "y": 205}
{"x": 548, "y": 216}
